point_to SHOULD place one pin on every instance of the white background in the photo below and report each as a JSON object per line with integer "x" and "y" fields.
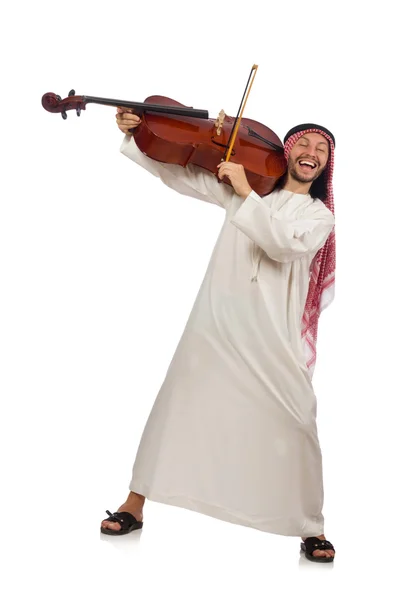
{"x": 100, "y": 265}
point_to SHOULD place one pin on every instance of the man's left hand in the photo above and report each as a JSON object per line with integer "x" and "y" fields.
{"x": 237, "y": 176}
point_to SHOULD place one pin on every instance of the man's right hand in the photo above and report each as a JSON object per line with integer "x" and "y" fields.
{"x": 126, "y": 120}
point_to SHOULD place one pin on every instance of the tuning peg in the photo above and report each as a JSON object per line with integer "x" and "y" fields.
{"x": 78, "y": 111}
{"x": 64, "y": 115}
{"x": 72, "y": 93}
{"x": 58, "y": 98}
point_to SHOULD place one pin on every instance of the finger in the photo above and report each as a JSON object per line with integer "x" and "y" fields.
{"x": 125, "y": 130}
{"x": 225, "y": 172}
{"x": 230, "y": 168}
{"x": 123, "y": 123}
{"x": 128, "y": 117}
{"x": 130, "y": 122}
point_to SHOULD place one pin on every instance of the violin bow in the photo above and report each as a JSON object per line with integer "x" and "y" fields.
{"x": 240, "y": 112}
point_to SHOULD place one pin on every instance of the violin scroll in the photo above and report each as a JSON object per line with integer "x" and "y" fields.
{"x": 55, "y": 104}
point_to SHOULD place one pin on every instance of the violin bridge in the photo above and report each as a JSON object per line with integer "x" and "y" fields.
{"x": 219, "y": 122}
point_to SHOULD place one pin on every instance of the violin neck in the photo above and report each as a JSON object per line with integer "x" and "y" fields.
{"x": 142, "y": 107}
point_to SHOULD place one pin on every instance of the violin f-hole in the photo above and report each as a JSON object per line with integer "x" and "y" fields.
{"x": 225, "y": 146}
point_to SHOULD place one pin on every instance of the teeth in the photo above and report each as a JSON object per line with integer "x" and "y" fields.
{"x": 306, "y": 162}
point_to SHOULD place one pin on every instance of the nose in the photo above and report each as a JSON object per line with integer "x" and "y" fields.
{"x": 311, "y": 153}
{"x": 312, "y": 150}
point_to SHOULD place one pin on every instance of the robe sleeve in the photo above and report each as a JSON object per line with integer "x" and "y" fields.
{"x": 284, "y": 239}
{"x": 189, "y": 181}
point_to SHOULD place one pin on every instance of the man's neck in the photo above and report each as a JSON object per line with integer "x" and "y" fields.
{"x": 291, "y": 185}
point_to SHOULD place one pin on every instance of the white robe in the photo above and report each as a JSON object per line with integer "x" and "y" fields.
{"x": 232, "y": 433}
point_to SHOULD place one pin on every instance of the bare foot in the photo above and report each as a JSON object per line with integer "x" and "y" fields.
{"x": 322, "y": 553}
{"x": 133, "y": 505}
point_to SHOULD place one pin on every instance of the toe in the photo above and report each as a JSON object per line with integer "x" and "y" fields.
{"x": 323, "y": 553}
{"x": 320, "y": 553}
{"x": 111, "y": 525}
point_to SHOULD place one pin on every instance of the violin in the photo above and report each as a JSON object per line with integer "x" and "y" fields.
{"x": 173, "y": 133}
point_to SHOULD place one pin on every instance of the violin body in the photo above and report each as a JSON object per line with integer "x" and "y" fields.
{"x": 183, "y": 140}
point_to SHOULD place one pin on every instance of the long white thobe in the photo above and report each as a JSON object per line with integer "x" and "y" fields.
{"x": 232, "y": 433}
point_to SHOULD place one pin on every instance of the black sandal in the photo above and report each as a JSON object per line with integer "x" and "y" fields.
{"x": 314, "y": 543}
{"x": 127, "y": 521}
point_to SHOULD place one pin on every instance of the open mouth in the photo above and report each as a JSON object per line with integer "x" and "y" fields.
{"x": 307, "y": 165}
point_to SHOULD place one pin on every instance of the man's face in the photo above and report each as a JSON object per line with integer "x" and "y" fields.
{"x": 308, "y": 157}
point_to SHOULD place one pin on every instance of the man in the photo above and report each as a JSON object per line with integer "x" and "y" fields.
{"x": 233, "y": 432}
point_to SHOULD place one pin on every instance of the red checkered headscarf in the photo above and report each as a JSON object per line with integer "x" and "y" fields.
{"x": 322, "y": 278}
